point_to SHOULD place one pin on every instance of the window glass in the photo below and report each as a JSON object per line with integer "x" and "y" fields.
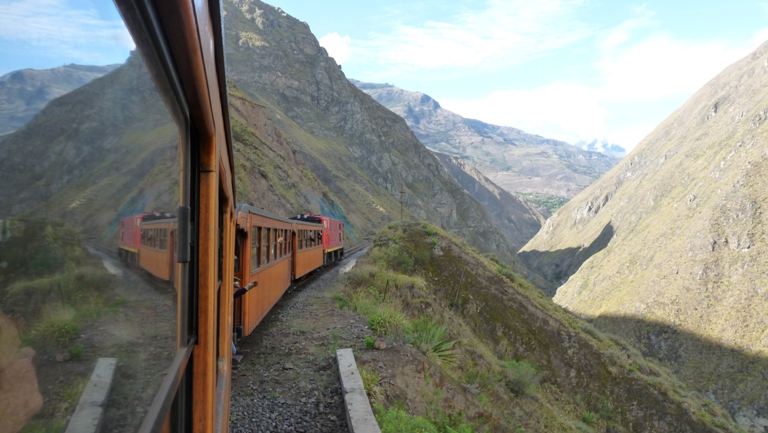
{"x": 265, "y": 245}
{"x": 272, "y": 245}
{"x": 255, "y": 238}
{"x": 89, "y": 153}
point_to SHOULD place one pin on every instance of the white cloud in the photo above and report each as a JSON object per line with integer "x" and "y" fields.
{"x": 337, "y": 46}
{"x": 563, "y": 111}
{"x": 662, "y": 65}
{"x": 55, "y": 26}
{"x": 502, "y": 34}
{"x": 648, "y": 70}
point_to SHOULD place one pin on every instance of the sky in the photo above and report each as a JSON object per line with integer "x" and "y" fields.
{"x": 566, "y": 69}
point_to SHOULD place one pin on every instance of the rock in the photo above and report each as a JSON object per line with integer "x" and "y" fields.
{"x": 63, "y": 355}
{"x": 379, "y": 344}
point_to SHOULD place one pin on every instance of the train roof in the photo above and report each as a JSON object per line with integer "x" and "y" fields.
{"x": 307, "y": 217}
{"x": 158, "y": 217}
{"x": 256, "y": 211}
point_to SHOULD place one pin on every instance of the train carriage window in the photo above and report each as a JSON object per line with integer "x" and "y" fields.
{"x": 54, "y": 162}
{"x": 265, "y": 246}
{"x": 272, "y": 245}
{"x": 255, "y": 250}
{"x": 280, "y": 243}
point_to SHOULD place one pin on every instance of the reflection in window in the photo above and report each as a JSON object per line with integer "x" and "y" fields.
{"x": 87, "y": 270}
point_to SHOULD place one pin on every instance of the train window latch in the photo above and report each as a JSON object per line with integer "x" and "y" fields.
{"x": 183, "y": 245}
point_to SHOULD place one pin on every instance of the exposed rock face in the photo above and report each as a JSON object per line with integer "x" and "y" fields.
{"x": 365, "y": 154}
{"x": 25, "y": 92}
{"x": 503, "y": 207}
{"x": 514, "y": 160}
{"x": 668, "y": 247}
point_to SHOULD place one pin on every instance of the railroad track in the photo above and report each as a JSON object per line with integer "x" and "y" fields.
{"x": 322, "y": 271}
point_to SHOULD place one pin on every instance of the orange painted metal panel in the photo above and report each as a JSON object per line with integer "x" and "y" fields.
{"x": 274, "y": 279}
{"x": 308, "y": 260}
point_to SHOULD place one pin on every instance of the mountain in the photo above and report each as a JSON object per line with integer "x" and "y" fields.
{"x": 603, "y": 146}
{"x": 668, "y": 248}
{"x": 513, "y": 159}
{"x": 84, "y": 156}
{"x": 25, "y": 92}
{"x": 366, "y": 156}
{"x": 504, "y": 208}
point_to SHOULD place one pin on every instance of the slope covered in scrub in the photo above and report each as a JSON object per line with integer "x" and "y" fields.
{"x": 472, "y": 346}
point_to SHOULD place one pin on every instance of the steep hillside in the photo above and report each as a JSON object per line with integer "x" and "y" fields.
{"x": 514, "y": 160}
{"x": 503, "y": 207}
{"x": 669, "y": 247}
{"x": 473, "y": 347}
{"x": 364, "y": 154}
{"x": 99, "y": 152}
{"x": 25, "y": 92}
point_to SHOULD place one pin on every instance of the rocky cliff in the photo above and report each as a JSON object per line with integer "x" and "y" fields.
{"x": 364, "y": 154}
{"x": 504, "y": 208}
{"x": 25, "y": 92}
{"x": 513, "y": 159}
{"x": 668, "y": 249}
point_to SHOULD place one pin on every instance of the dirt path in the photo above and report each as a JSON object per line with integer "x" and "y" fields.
{"x": 288, "y": 379}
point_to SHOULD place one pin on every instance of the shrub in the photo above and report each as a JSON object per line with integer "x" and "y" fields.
{"x": 395, "y": 420}
{"x": 521, "y": 376}
{"x": 76, "y": 352}
{"x": 605, "y": 409}
{"x": 429, "y": 336}
{"x": 369, "y": 340}
{"x": 341, "y": 301}
{"x": 56, "y": 331}
{"x": 371, "y": 381}
{"x": 385, "y": 322}
{"x": 588, "y": 417}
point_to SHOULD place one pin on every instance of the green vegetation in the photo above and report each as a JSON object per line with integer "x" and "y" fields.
{"x": 548, "y": 201}
{"x": 371, "y": 381}
{"x": 369, "y": 341}
{"x": 588, "y": 417}
{"x": 482, "y": 328}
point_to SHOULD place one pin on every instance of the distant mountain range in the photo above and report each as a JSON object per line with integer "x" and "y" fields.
{"x": 25, "y": 92}
{"x": 602, "y": 146}
{"x": 515, "y": 160}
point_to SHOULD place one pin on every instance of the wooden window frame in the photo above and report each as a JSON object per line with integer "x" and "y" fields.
{"x": 181, "y": 42}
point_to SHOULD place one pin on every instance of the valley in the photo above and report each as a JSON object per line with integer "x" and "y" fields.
{"x": 521, "y": 283}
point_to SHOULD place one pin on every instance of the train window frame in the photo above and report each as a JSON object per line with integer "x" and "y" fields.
{"x": 171, "y": 408}
{"x": 255, "y": 247}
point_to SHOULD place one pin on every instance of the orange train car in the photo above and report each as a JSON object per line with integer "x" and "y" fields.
{"x": 264, "y": 254}
{"x": 157, "y": 254}
{"x": 308, "y": 247}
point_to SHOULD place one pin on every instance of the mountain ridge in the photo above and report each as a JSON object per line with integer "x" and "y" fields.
{"x": 513, "y": 159}
{"x": 24, "y": 92}
{"x": 674, "y": 235}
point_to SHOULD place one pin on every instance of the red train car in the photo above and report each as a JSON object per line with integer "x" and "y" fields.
{"x": 332, "y": 236}
{"x": 129, "y": 241}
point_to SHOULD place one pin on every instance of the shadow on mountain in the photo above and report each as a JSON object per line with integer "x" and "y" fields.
{"x": 735, "y": 379}
{"x": 557, "y": 266}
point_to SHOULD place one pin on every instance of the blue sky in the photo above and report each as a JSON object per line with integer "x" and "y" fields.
{"x": 44, "y": 34}
{"x": 567, "y": 69}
